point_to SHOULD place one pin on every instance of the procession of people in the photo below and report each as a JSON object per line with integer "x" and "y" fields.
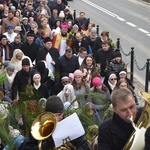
{"x": 52, "y": 62}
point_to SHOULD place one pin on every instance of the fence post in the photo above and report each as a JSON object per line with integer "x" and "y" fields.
{"x": 97, "y": 30}
{"x": 118, "y": 43}
{"x": 132, "y": 64}
{"x": 74, "y": 15}
{"x": 147, "y": 75}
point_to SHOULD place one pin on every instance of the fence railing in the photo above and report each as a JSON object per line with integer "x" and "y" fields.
{"x": 134, "y": 62}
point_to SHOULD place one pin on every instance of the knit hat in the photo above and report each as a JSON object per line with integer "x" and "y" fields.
{"x": 97, "y": 81}
{"x": 117, "y": 54}
{"x": 71, "y": 76}
{"x": 17, "y": 28}
{"x": 78, "y": 73}
{"x": 26, "y": 62}
{"x": 54, "y": 105}
{"x": 47, "y": 39}
{"x": 9, "y": 26}
{"x": 93, "y": 30}
{"x": 10, "y": 67}
{"x": 64, "y": 25}
{"x": 61, "y": 14}
{"x": 75, "y": 27}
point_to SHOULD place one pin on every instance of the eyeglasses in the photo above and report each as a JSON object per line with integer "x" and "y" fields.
{"x": 113, "y": 79}
{"x": 65, "y": 82}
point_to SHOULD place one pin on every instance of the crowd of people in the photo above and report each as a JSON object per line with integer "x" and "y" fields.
{"x": 63, "y": 59}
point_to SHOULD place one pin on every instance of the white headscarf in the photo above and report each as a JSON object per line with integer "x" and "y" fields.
{"x": 68, "y": 89}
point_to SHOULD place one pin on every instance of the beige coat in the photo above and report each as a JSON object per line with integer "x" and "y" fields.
{"x": 15, "y": 22}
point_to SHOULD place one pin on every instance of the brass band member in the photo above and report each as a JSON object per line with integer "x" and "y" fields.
{"x": 54, "y": 105}
{"x": 115, "y": 132}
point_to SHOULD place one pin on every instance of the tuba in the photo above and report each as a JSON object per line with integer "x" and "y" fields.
{"x": 43, "y": 127}
{"x": 143, "y": 121}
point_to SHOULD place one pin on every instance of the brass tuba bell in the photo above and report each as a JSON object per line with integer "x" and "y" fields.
{"x": 43, "y": 127}
{"x": 143, "y": 121}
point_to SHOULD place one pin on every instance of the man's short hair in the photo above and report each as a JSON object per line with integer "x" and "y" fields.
{"x": 119, "y": 95}
{"x": 82, "y": 49}
{"x": 68, "y": 49}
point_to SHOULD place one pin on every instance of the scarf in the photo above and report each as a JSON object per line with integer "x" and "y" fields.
{"x": 112, "y": 85}
{"x": 10, "y": 78}
{"x": 37, "y": 86}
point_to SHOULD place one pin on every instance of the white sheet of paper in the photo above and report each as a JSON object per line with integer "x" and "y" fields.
{"x": 69, "y": 127}
{"x": 138, "y": 142}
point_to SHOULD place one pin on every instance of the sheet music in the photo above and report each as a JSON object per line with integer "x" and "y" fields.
{"x": 69, "y": 128}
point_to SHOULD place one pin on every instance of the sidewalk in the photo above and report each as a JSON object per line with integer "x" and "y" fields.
{"x": 139, "y": 87}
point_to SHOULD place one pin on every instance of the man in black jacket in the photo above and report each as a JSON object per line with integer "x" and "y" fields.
{"x": 22, "y": 78}
{"x": 104, "y": 56}
{"x": 68, "y": 63}
{"x": 54, "y": 105}
{"x": 30, "y": 48}
{"x": 115, "y": 132}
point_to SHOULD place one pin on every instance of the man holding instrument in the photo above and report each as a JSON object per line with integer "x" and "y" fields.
{"x": 115, "y": 132}
{"x": 55, "y": 106}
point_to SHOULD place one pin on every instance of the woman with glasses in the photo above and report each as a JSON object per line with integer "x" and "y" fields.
{"x": 64, "y": 79}
{"x": 110, "y": 81}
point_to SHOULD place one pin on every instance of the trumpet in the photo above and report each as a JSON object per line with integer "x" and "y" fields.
{"x": 43, "y": 127}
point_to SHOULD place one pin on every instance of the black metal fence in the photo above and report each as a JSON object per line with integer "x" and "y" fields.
{"x": 134, "y": 62}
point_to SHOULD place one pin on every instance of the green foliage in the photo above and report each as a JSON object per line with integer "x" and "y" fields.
{"x": 2, "y": 77}
{"x": 5, "y": 109}
{"x": 27, "y": 107}
{"x": 82, "y": 111}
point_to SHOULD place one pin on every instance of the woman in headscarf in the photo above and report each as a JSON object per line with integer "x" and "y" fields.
{"x": 17, "y": 58}
{"x": 68, "y": 95}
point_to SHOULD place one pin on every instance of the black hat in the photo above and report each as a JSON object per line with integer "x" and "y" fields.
{"x": 117, "y": 54}
{"x": 26, "y": 62}
{"x": 40, "y": 27}
{"x": 30, "y": 34}
{"x": 47, "y": 39}
{"x": 3, "y": 36}
{"x": 40, "y": 66}
{"x": 54, "y": 105}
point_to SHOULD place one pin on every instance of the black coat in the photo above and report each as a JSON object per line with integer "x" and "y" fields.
{"x": 41, "y": 55}
{"x": 114, "y": 133}
{"x": 68, "y": 65}
{"x": 42, "y": 91}
{"x": 31, "y": 144}
{"x": 75, "y": 45}
{"x": 82, "y": 23}
{"x": 30, "y": 50}
{"x": 21, "y": 79}
{"x": 58, "y": 87}
{"x": 104, "y": 58}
